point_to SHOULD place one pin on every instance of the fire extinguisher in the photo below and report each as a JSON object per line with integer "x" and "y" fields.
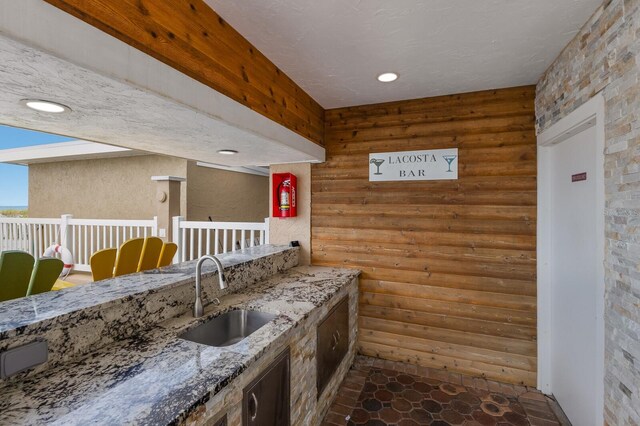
{"x": 284, "y": 197}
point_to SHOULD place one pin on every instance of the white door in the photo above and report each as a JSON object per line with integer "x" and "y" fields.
{"x": 574, "y": 277}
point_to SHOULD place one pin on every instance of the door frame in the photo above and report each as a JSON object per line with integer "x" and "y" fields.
{"x": 591, "y": 113}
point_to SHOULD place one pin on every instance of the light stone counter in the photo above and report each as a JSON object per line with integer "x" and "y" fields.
{"x": 80, "y": 320}
{"x": 155, "y": 378}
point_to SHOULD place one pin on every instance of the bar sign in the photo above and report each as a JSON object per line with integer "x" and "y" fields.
{"x": 579, "y": 177}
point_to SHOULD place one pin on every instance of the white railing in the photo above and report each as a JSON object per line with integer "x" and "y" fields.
{"x": 195, "y": 239}
{"x": 82, "y": 237}
{"x": 31, "y": 235}
{"x": 86, "y": 236}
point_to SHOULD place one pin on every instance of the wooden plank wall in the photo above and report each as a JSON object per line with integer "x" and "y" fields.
{"x": 449, "y": 267}
{"x": 190, "y": 37}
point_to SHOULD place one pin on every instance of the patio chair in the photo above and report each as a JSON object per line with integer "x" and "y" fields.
{"x": 15, "y": 272}
{"x": 128, "y": 257}
{"x": 102, "y": 263}
{"x": 45, "y": 274}
{"x": 166, "y": 255}
{"x": 150, "y": 253}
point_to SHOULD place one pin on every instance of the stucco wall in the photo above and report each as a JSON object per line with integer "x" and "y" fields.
{"x": 605, "y": 56}
{"x": 108, "y": 188}
{"x": 121, "y": 188}
{"x": 226, "y": 196}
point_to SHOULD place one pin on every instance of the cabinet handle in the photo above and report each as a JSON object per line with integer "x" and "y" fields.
{"x": 338, "y": 333}
{"x": 255, "y": 404}
{"x": 335, "y": 342}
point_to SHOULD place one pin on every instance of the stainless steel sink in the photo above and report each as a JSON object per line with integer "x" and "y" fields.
{"x": 228, "y": 328}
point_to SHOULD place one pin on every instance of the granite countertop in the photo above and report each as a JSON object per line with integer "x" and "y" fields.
{"x": 18, "y": 314}
{"x": 156, "y": 378}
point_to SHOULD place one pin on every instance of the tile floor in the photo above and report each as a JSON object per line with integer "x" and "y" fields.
{"x": 378, "y": 393}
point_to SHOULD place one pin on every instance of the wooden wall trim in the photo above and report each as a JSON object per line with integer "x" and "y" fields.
{"x": 449, "y": 267}
{"x": 190, "y": 37}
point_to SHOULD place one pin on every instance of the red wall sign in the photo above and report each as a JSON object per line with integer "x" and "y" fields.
{"x": 578, "y": 177}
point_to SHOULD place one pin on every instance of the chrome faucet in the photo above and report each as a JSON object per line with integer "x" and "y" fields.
{"x": 198, "y": 310}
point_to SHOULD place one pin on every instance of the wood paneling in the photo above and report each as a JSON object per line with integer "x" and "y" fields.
{"x": 189, "y": 36}
{"x": 449, "y": 267}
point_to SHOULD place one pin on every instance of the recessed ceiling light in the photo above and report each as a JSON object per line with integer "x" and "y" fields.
{"x": 45, "y": 106}
{"x": 227, "y": 151}
{"x": 388, "y": 77}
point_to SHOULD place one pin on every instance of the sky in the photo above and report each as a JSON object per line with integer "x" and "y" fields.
{"x": 14, "y": 180}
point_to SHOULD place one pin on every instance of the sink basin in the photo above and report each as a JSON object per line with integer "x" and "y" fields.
{"x": 228, "y": 328}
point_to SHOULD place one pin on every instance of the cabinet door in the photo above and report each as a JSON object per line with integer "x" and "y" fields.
{"x": 266, "y": 399}
{"x": 333, "y": 343}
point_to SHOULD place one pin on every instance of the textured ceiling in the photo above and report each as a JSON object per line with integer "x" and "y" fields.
{"x": 123, "y": 97}
{"x": 106, "y": 110}
{"x": 334, "y": 49}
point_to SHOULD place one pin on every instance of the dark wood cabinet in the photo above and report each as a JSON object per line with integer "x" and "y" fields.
{"x": 333, "y": 343}
{"x": 266, "y": 400}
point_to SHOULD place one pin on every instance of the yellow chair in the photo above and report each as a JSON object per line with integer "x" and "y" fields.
{"x": 166, "y": 255}
{"x": 102, "y": 263}
{"x": 150, "y": 254}
{"x": 128, "y": 257}
{"x": 61, "y": 285}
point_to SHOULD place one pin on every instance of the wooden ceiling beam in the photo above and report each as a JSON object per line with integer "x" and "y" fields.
{"x": 190, "y": 37}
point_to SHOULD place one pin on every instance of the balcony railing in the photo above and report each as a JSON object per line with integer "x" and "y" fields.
{"x": 195, "y": 239}
{"x": 83, "y": 237}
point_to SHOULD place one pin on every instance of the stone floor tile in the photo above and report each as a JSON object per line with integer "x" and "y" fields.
{"x": 467, "y": 381}
{"x": 342, "y": 410}
{"x": 541, "y": 414}
{"x": 440, "y": 375}
{"x": 390, "y": 415}
{"x": 423, "y": 371}
{"x": 411, "y": 369}
{"x": 378, "y": 363}
{"x": 352, "y": 384}
{"x": 541, "y": 422}
{"x": 455, "y": 378}
{"x": 406, "y": 395}
{"x": 348, "y": 392}
{"x": 533, "y": 395}
{"x": 507, "y": 389}
{"x": 520, "y": 389}
{"x": 480, "y": 383}
{"x": 335, "y": 419}
{"x": 392, "y": 365}
{"x": 493, "y": 386}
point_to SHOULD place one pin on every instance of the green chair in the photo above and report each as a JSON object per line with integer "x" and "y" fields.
{"x": 45, "y": 274}
{"x": 15, "y": 272}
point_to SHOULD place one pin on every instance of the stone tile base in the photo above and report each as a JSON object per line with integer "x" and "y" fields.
{"x": 379, "y": 392}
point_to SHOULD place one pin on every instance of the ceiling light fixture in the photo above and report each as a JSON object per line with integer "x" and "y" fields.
{"x": 227, "y": 151}
{"x": 45, "y": 106}
{"x": 388, "y": 77}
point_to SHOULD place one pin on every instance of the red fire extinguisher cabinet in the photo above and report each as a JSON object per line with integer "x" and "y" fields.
{"x": 284, "y": 195}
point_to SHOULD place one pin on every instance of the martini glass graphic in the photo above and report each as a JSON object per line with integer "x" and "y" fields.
{"x": 449, "y": 159}
{"x": 378, "y": 162}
